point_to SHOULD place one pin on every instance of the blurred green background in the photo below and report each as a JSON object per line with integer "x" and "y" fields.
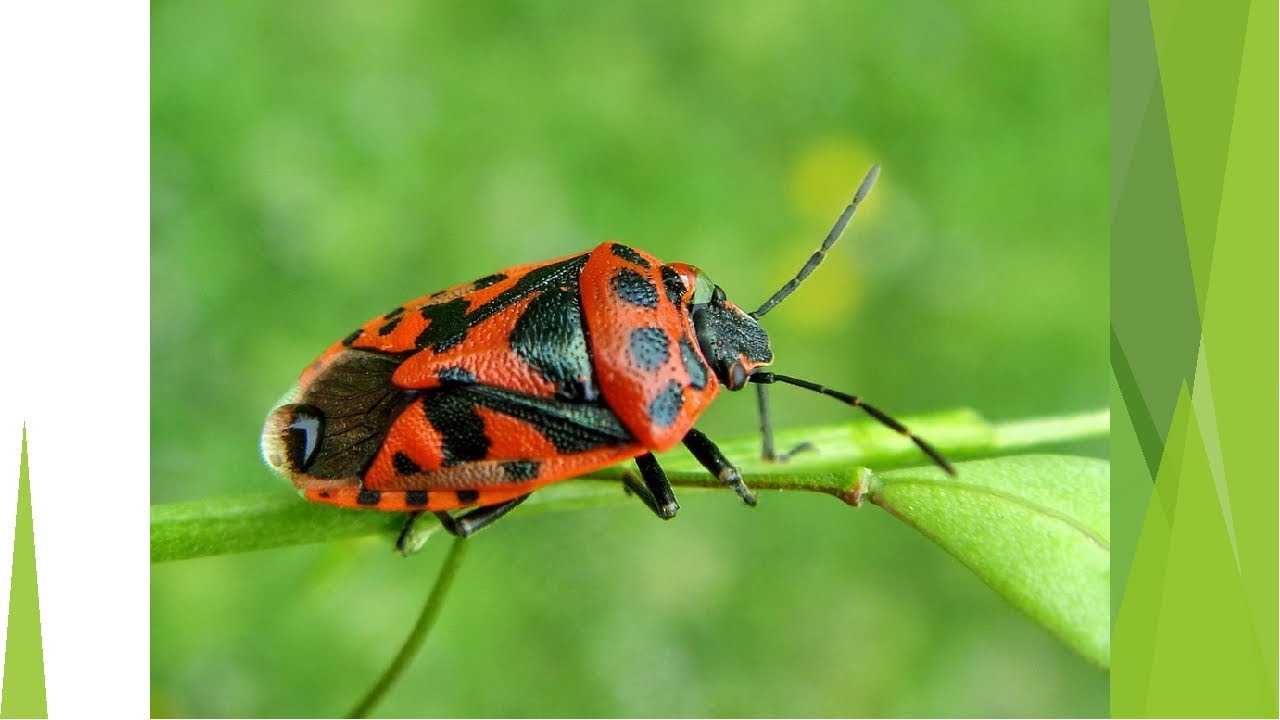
{"x": 314, "y": 163}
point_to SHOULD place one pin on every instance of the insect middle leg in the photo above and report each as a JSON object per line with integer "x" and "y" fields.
{"x": 655, "y": 491}
{"x": 713, "y": 460}
{"x": 767, "y": 451}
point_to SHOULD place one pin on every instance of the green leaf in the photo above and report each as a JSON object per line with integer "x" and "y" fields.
{"x": 1036, "y": 528}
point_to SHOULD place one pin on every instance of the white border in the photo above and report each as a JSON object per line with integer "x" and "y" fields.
{"x": 74, "y": 311}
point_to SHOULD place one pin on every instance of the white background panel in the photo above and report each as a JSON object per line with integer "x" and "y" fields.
{"x": 74, "y": 311}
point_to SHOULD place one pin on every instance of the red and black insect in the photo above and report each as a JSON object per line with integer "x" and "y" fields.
{"x": 478, "y": 395}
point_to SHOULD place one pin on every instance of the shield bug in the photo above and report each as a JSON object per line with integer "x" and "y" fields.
{"x": 475, "y": 396}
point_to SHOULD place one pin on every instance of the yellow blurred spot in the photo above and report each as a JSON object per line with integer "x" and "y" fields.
{"x": 820, "y": 184}
{"x": 824, "y": 176}
{"x": 830, "y": 295}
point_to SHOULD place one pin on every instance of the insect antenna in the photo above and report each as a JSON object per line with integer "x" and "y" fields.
{"x": 863, "y": 189}
{"x": 768, "y": 378}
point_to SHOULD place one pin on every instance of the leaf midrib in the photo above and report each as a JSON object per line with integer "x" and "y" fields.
{"x": 1103, "y": 543}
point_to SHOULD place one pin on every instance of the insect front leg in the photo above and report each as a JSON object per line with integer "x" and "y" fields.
{"x": 767, "y": 452}
{"x": 478, "y": 519}
{"x": 713, "y": 460}
{"x": 655, "y": 491}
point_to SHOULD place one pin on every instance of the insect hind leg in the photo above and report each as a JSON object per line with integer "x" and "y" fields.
{"x": 478, "y": 519}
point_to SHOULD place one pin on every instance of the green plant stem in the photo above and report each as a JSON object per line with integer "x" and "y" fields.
{"x": 418, "y": 635}
{"x": 255, "y": 522}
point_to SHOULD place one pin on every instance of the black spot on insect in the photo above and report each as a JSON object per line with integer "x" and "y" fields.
{"x": 446, "y": 325}
{"x": 634, "y": 288}
{"x": 549, "y": 336}
{"x": 629, "y": 254}
{"x": 693, "y": 365}
{"x": 673, "y": 284}
{"x": 394, "y": 313}
{"x": 404, "y": 464}
{"x": 449, "y": 322}
{"x": 454, "y": 375}
{"x": 324, "y": 493}
{"x": 368, "y": 497}
{"x": 488, "y": 280}
{"x": 571, "y": 427}
{"x": 666, "y": 405}
{"x": 650, "y": 348}
{"x": 415, "y": 498}
{"x": 453, "y": 415}
{"x": 348, "y": 340}
{"x": 518, "y": 470}
{"x": 468, "y": 496}
{"x": 390, "y": 327}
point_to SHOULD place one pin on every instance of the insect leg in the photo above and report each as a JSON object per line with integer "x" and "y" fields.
{"x": 404, "y": 531}
{"x": 655, "y": 491}
{"x": 478, "y": 519}
{"x": 767, "y": 452}
{"x": 713, "y": 460}
{"x": 766, "y": 427}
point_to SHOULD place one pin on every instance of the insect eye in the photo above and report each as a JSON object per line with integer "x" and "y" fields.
{"x": 737, "y": 376}
{"x": 717, "y": 296}
{"x": 703, "y": 289}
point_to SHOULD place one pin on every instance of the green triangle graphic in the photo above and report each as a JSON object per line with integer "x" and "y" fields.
{"x": 23, "y": 695}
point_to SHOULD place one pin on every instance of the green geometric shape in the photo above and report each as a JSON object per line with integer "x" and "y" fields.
{"x": 1240, "y": 323}
{"x": 1154, "y": 313}
{"x": 1137, "y": 623}
{"x": 1185, "y": 619}
{"x": 1134, "y": 408}
{"x": 1133, "y": 75}
{"x": 1204, "y": 581}
{"x": 1137, "y": 620}
{"x": 1131, "y": 490}
{"x": 1196, "y": 630}
{"x": 23, "y": 695}
{"x": 1198, "y": 48}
